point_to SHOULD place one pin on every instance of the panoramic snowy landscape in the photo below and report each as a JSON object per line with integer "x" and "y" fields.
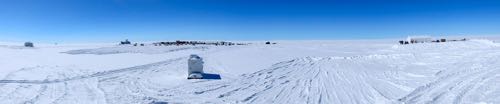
{"x": 289, "y": 72}
{"x": 249, "y": 52}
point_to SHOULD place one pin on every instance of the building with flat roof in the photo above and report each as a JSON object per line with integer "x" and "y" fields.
{"x": 419, "y": 39}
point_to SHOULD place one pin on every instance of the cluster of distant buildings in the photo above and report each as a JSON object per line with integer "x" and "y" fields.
{"x": 172, "y": 43}
{"x": 268, "y": 42}
{"x": 425, "y": 39}
{"x": 179, "y": 43}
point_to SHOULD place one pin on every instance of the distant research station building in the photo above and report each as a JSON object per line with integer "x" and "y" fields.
{"x": 426, "y": 39}
{"x": 419, "y": 39}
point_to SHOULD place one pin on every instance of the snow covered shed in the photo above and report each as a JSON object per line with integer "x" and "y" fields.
{"x": 195, "y": 67}
{"x": 419, "y": 39}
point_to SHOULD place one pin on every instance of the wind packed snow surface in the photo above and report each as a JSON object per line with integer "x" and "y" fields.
{"x": 290, "y": 72}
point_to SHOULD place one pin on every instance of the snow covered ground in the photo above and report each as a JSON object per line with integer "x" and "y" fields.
{"x": 296, "y": 72}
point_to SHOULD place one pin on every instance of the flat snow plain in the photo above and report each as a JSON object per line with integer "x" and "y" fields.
{"x": 290, "y": 72}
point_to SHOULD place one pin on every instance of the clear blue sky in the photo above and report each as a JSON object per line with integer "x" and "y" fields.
{"x": 114, "y": 20}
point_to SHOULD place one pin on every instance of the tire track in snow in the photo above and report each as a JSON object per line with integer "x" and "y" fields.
{"x": 303, "y": 80}
{"x": 98, "y": 74}
{"x": 453, "y": 86}
{"x": 83, "y": 83}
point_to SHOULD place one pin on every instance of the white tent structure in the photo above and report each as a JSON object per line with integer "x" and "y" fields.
{"x": 419, "y": 39}
{"x": 195, "y": 67}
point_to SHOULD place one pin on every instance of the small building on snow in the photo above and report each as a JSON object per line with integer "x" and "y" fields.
{"x": 28, "y": 44}
{"x": 419, "y": 39}
{"x": 195, "y": 67}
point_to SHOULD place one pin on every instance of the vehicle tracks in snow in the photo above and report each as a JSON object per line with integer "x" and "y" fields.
{"x": 302, "y": 80}
{"x": 97, "y": 74}
{"x": 456, "y": 82}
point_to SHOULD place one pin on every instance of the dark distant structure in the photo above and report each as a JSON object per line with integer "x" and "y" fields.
{"x": 180, "y": 42}
{"x": 413, "y": 40}
{"x": 436, "y": 41}
{"x": 29, "y": 44}
{"x": 268, "y": 42}
{"x": 126, "y": 42}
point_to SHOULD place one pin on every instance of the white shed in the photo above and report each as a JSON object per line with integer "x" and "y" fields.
{"x": 195, "y": 67}
{"x": 419, "y": 39}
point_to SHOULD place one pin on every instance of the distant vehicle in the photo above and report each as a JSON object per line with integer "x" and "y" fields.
{"x": 125, "y": 42}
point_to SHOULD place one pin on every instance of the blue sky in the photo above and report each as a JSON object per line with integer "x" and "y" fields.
{"x": 114, "y": 20}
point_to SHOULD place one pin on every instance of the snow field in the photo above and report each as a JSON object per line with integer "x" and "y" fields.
{"x": 293, "y": 72}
